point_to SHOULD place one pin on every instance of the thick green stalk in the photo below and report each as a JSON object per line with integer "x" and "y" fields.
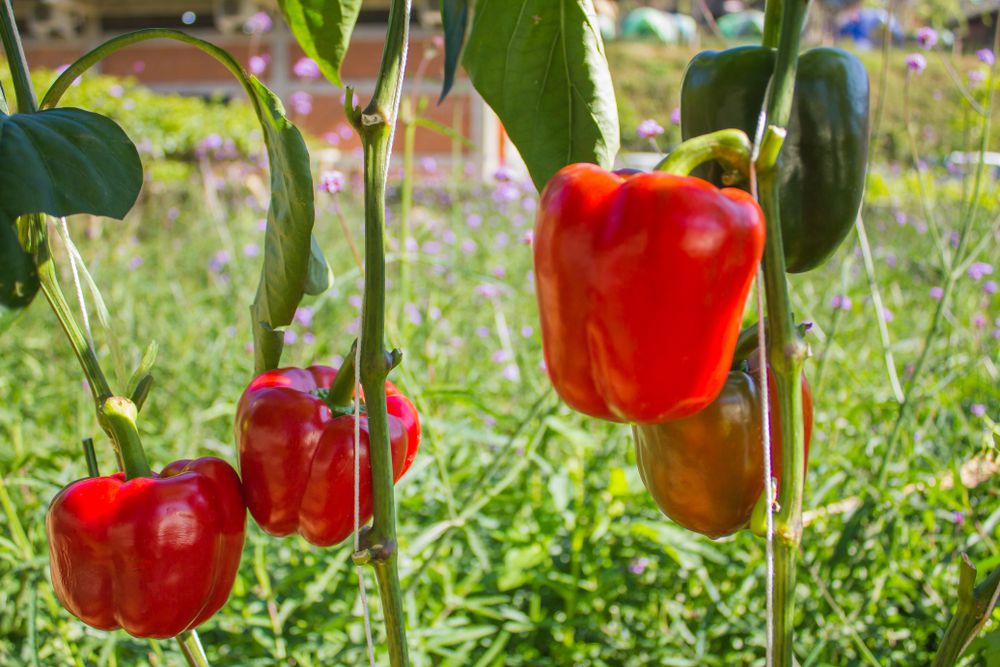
{"x": 375, "y": 125}
{"x": 117, "y": 416}
{"x": 23, "y": 90}
{"x": 192, "y": 649}
{"x": 786, "y": 351}
{"x": 773, "y": 11}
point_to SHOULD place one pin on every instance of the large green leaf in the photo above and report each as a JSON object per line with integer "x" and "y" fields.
{"x": 540, "y": 65}
{"x": 455, "y": 20}
{"x": 66, "y": 161}
{"x": 323, "y": 29}
{"x": 60, "y": 162}
{"x": 293, "y": 265}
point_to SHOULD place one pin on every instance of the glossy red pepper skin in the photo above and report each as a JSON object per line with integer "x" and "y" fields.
{"x": 153, "y": 555}
{"x": 706, "y": 472}
{"x": 297, "y": 458}
{"x": 641, "y": 283}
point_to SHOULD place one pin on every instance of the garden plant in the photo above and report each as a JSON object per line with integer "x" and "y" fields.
{"x": 642, "y": 282}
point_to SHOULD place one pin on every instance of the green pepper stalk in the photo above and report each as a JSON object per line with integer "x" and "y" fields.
{"x": 786, "y": 350}
{"x": 375, "y": 124}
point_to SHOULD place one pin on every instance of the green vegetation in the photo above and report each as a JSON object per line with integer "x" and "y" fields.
{"x": 527, "y": 537}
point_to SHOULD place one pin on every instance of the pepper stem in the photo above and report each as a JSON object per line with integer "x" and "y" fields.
{"x": 117, "y": 416}
{"x": 731, "y": 148}
{"x": 341, "y": 392}
{"x": 91, "y": 457}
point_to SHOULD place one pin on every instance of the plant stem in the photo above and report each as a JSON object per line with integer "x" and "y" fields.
{"x": 975, "y": 604}
{"x": 786, "y": 351}
{"x": 91, "y": 457}
{"x": 23, "y": 90}
{"x": 117, "y": 416}
{"x": 192, "y": 649}
{"x": 375, "y": 125}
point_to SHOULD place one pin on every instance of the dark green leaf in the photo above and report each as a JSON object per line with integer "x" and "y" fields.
{"x": 18, "y": 276}
{"x": 66, "y": 161}
{"x": 455, "y": 18}
{"x": 293, "y": 264}
{"x": 540, "y": 65}
{"x": 323, "y": 29}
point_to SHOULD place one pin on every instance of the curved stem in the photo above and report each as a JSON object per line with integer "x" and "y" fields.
{"x": 117, "y": 415}
{"x": 376, "y": 125}
{"x": 731, "y": 148}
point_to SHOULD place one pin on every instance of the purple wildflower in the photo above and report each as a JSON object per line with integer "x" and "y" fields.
{"x": 927, "y": 37}
{"x": 306, "y": 68}
{"x": 649, "y": 128}
{"x": 986, "y": 56}
{"x": 332, "y": 181}
{"x": 916, "y": 63}
{"x": 936, "y": 293}
{"x": 980, "y": 269}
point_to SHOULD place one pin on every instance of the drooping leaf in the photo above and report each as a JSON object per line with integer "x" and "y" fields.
{"x": 18, "y": 276}
{"x": 455, "y": 19}
{"x": 66, "y": 161}
{"x": 292, "y": 263}
{"x": 540, "y": 65}
{"x": 323, "y": 29}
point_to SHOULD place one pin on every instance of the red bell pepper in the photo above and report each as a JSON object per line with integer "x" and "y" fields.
{"x": 641, "y": 283}
{"x": 153, "y": 555}
{"x": 297, "y": 456}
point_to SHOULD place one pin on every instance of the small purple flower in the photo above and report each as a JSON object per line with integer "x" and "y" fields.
{"x": 503, "y": 175}
{"x": 511, "y": 373}
{"x": 979, "y": 321}
{"x": 887, "y": 315}
{"x": 927, "y": 37}
{"x": 135, "y": 263}
{"x": 332, "y": 181}
{"x": 354, "y": 328}
{"x": 976, "y": 76}
{"x": 428, "y": 165}
{"x": 474, "y": 220}
{"x": 413, "y": 314}
{"x": 916, "y": 63}
{"x": 304, "y": 316}
{"x": 638, "y": 565}
{"x": 501, "y": 240}
{"x": 958, "y": 518}
{"x": 936, "y": 293}
{"x": 301, "y": 102}
{"x": 980, "y": 269}
{"x": 139, "y": 66}
{"x": 116, "y": 91}
{"x": 355, "y": 301}
{"x": 218, "y": 261}
{"x": 500, "y": 356}
{"x": 900, "y": 217}
{"x": 259, "y": 22}
{"x": 290, "y": 337}
{"x": 528, "y": 238}
{"x": 251, "y": 250}
{"x": 468, "y": 246}
{"x": 308, "y": 338}
{"x": 990, "y": 287}
{"x": 840, "y": 302}
{"x": 649, "y": 128}
{"x": 258, "y": 63}
{"x": 675, "y": 116}
{"x": 331, "y": 138}
{"x": 527, "y": 331}
{"x": 487, "y": 291}
{"x": 262, "y": 224}
{"x": 986, "y": 56}
{"x": 890, "y": 261}
{"x": 482, "y": 332}
{"x": 504, "y": 193}
{"x": 306, "y": 68}
{"x": 434, "y": 313}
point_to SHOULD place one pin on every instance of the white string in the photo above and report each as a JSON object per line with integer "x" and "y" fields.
{"x": 765, "y": 427}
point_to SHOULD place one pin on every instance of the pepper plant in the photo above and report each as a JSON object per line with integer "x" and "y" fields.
{"x": 624, "y": 261}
